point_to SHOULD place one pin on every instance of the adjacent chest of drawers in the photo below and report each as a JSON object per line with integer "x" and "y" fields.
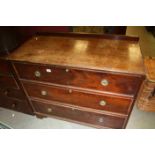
{"x": 11, "y": 95}
{"x": 81, "y": 78}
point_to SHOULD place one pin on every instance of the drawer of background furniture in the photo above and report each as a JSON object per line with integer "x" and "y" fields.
{"x": 96, "y": 119}
{"x": 123, "y": 84}
{"x": 79, "y": 98}
{"x": 9, "y": 82}
{"x": 14, "y": 104}
{"x": 13, "y": 93}
{"x": 4, "y": 68}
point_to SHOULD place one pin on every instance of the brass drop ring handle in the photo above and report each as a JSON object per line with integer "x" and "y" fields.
{"x": 43, "y": 93}
{"x": 37, "y": 74}
{"x": 13, "y": 105}
{"x": 101, "y": 120}
{"x": 103, "y": 103}
{"x": 67, "y": 70}
{"x": 49, "y": 110}
{"x": 70, "y": 91}
{"x": 104, "y": 82}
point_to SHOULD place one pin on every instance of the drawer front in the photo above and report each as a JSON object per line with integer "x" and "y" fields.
{"x": 109, "y": 82}
{"x": 17, "y": 105}
{"x": 78, "y": 115}
{"x": 4, "y": 68}
{"x": 12, "y": 93}
{"x": 79, "y": 98}
{"x": 9, "y": 82}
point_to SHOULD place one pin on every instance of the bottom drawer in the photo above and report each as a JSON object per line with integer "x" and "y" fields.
{"x": 14, "y": 104}
{"x": 95, "y": 119}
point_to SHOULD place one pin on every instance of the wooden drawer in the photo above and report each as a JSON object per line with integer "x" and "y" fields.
{"x": 14, "y": 104}
{"x": 13, "y": 93}
{"x": 117, "y": 83}
{"x": 6, "y": 81}
{"x": 96, "y": 119}
{"x": 4, "y": 68}
{"x": 79, "y": 98}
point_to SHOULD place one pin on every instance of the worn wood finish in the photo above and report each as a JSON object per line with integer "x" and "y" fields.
{"x": 81, "y": 78}
{"x": 79, "y": 98}
{"x": 83, "y": 52}
{"x": 99, "y": 120}
{"x": 15, "y": 104}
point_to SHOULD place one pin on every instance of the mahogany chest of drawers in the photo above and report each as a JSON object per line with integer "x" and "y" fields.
{"x": 84, "y": 78}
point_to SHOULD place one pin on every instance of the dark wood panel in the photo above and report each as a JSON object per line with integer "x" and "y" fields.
{"x": 117, "y": 83}
{"x": 4, "y": 68}
{"x": 14, "y": 104}
{"x": 78, "y": 115}
{"x": 13, "y": 93}
{"x": 6, "y": 81}
{"x": 91, "y": 35}
{"x": 79, "y": 98}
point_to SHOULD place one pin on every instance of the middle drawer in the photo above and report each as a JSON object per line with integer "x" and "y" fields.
{"x": 79, "y": 97}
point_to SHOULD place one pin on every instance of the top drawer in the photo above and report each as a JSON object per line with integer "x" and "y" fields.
{"x": 4, "y": 68}
{"x": 102, "y": 81}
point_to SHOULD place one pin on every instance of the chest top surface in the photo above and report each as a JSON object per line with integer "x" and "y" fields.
{"x": 120, "y": 55}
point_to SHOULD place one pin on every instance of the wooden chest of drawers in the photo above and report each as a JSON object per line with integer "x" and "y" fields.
{"x": 85, "y": 78}
{"x": 11, "y": 95}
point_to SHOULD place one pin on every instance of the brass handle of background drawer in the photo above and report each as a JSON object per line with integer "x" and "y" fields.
{"x": 70, "y": 91}
{"x": 37, "y": 74}
{"x": 101, "y": 120}
{"x": 104, "y": 82}
{"x": 103, "y": 103}
{"x": 6, "y": 92}
{"x": 13, "y": 105}
{"x": 49, "y": 110}
{"x": 67, "y": 70}
{"x": 43, "y": 93}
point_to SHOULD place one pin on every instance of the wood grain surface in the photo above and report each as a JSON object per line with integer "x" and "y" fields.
{"x": 84, "y": 52}
{"x": 90, "y": 79}
{"x": 99, "y": 120}
{"x": 80, "y": 98}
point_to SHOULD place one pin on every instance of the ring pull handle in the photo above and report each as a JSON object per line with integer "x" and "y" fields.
{"x": 49, "y": 109}
{"x": 37, "y": 74}
{"x": 43, "y": 93}
{"x": 13, "y": 105}
{"x": 104, "y": 82}
{"x": 102, "y": 103}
